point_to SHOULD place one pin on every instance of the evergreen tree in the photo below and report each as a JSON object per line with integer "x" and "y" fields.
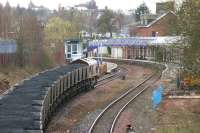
{"x": 142, "y": 9}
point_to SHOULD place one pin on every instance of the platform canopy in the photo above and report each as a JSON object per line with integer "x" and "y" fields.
{"x": 135, "y": 41}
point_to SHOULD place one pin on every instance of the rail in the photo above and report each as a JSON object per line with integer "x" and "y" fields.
{"x": 120, "y": 72}
{"x": 32, "y": 102}
{"x": 131, "y": 89}
{"x": 159, "y": 66}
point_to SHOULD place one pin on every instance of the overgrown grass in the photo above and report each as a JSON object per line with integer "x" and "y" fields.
{"x": 180, "y": 121}
{"x": 183, "y": 128}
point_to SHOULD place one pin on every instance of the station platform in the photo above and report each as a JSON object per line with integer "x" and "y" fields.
{"x": 111, "y": 66}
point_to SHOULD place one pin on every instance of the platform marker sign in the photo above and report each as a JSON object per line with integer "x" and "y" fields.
{"x": 157, "y": 96}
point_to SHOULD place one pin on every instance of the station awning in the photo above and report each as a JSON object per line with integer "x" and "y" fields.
{"x": 135, "y": 41}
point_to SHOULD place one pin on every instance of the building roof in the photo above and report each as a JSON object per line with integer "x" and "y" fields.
{"x": 135, "y": 41}
{"x": 158, "y": 19}
{"x": 87, "y": 61}
{"x": 166, "y": 40}
{"x": 72, "y": 41}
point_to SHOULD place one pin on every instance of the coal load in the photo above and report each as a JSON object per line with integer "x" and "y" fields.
{"x": 20, "y": 109}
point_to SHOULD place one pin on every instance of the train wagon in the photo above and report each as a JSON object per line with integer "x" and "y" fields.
{"x": 102, "y": 68}
{"x": 29, "y": 106}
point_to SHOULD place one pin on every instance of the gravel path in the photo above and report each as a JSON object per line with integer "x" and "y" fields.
{"x": 139, "y": 114}
{"x": 105, "y": 121}
{"x": 84, "y": 125}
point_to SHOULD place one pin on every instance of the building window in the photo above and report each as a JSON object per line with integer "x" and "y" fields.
{"x": 153, "y": 33}
{"x": 142, "y": 22}
{"x": 74, "y": 49}
{"x": 69, "y": 48}
{"x": 146, "y": 22}
{"x": 68, "y": 55}
{"x": 69, "y": 51}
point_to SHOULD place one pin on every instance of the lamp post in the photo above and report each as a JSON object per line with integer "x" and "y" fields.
{"x": 98, "y": 54}
{"x": 97, "y": 49}
{"x": 101, "y": 53}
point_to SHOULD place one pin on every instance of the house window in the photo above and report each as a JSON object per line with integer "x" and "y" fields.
{"x": 153, "y": 33}
{"x": 74, "y": 49}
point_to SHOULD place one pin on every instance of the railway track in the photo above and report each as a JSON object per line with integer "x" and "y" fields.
{"x": 106, "y": 121}
{"x": 114, "y": 75}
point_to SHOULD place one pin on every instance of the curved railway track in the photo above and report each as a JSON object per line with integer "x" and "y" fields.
{"x": 114, "y": 75}
{"x": 29, "y": 106}
{"x": 107, "y": 119}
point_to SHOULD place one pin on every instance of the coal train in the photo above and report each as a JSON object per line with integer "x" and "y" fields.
{"x": 29, "y": 106}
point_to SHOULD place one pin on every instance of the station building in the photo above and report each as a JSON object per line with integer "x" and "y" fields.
{"x": 163, "y": 49}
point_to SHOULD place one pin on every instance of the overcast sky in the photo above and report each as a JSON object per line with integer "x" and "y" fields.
{"x": 113, "y": 4}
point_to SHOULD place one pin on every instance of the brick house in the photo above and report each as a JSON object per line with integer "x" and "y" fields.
{"x": 161, "y": 26}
